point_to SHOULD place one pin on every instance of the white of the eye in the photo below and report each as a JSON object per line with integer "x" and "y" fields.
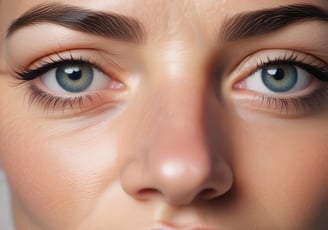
{"x": 254, "y": 82}
{"x": 100, "y": 81}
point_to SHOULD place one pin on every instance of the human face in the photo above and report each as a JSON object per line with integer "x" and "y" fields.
{"x": 188, "y": 115}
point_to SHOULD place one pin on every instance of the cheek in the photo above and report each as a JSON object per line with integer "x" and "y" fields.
{"x": 283, "y": 169}
{"x": 55, "y": 180}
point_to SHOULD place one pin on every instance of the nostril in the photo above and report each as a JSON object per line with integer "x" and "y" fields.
{"x": 147, "y": 193}
{"x": 208, "y": 193}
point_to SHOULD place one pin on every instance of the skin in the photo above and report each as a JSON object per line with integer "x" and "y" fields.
{"x": 166, "y": 149}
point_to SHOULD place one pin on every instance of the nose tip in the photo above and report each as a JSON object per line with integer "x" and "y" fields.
{"x": 179, "y": 182}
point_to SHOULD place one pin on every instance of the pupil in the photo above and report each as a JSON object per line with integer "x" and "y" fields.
{"x": 75, "y": 78}
{"x": 280, "y": 78}
{"x": 74, "y": 73}
{"x": 277, "y": 73}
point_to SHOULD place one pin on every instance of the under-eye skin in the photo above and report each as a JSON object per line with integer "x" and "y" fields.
{"x": 50, "y": 103}
{"x": 66, "y": 84}
{"x": 286, "y": 85}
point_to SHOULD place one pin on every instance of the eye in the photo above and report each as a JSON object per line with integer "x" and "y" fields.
{"x": 75, "y": 78}
{"x": 278, "y": 79}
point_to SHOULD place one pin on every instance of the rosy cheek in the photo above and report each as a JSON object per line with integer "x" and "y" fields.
{"x": 283, "y": 171}
{"x": 51, "y": 177}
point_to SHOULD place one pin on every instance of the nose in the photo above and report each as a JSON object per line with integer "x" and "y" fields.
{"x": 184, "y": 158}
{"x": 180, "y": 179}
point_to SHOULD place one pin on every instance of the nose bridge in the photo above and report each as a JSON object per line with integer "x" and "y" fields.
{"x": 181, "y": 96}
{"x": 180, "y": 125}
{"x": 180, "y": 107}
{"x": 181, "y": 158}
{"x": 181, "y": 162}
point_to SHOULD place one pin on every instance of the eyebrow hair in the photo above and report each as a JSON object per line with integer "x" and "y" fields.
{"x": 265, "y": 21}
{"x": 84, "y": 20}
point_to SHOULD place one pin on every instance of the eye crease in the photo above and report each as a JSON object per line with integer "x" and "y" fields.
{"x": 279, "y": 79}
{"x": 67, "y": 82}
{"x": 275, "y": 78}
{"x": 289, "y": 83}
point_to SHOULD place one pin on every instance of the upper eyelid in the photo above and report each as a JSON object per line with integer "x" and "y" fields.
{"x": 252, "y": 62}
{"x": 47, "y": 66}
{"x": 319, "y": 72}
{"x": 102, "y": 62}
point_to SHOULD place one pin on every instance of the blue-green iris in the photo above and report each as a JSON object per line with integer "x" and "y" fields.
{"x": 74, "y": 78}
{"x": 279, "y": 78}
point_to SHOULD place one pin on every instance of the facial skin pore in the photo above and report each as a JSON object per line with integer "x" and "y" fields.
{"x": 174, "y": 133}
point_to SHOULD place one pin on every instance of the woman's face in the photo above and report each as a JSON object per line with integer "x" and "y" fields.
{"x": 165, "y": 114}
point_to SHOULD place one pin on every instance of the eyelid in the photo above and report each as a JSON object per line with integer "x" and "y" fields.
{"x": 307, "y": 101}
{"x": 252, "y": 62}
{"x": 48, "y": 99}
{"x": 100, "y": 60}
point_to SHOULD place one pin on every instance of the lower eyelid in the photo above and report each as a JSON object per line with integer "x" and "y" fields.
{"x": 72, "y": 105}
{"x": 49, "y": 101}
{"x": 104, "y": 92}
{"x": 291, "y": 107}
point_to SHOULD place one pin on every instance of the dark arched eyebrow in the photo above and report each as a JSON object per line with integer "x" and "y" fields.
{"x": 120, "y": 27}
{"x": 84, "y": 20}
{"x": 255, "y": 23}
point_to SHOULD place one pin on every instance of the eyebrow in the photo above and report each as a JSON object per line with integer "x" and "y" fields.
{"x": 84, "y": 20}
{"x": 265, "y": 21}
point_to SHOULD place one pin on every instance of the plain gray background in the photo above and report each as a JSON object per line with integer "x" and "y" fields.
{"x": 5, "y": 215}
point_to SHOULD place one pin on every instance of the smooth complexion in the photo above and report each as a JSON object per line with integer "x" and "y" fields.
{"x": 176, "y": 131}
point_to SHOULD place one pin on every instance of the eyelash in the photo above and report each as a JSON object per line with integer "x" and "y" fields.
{"x": 52, "y": 102}
{"x": 305, "y": 103}
{"x": 295, "y": 106}
{"x": 46, "y": 100}
{"x": 44, "y": 67}
{"x": 320, "y": 72}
